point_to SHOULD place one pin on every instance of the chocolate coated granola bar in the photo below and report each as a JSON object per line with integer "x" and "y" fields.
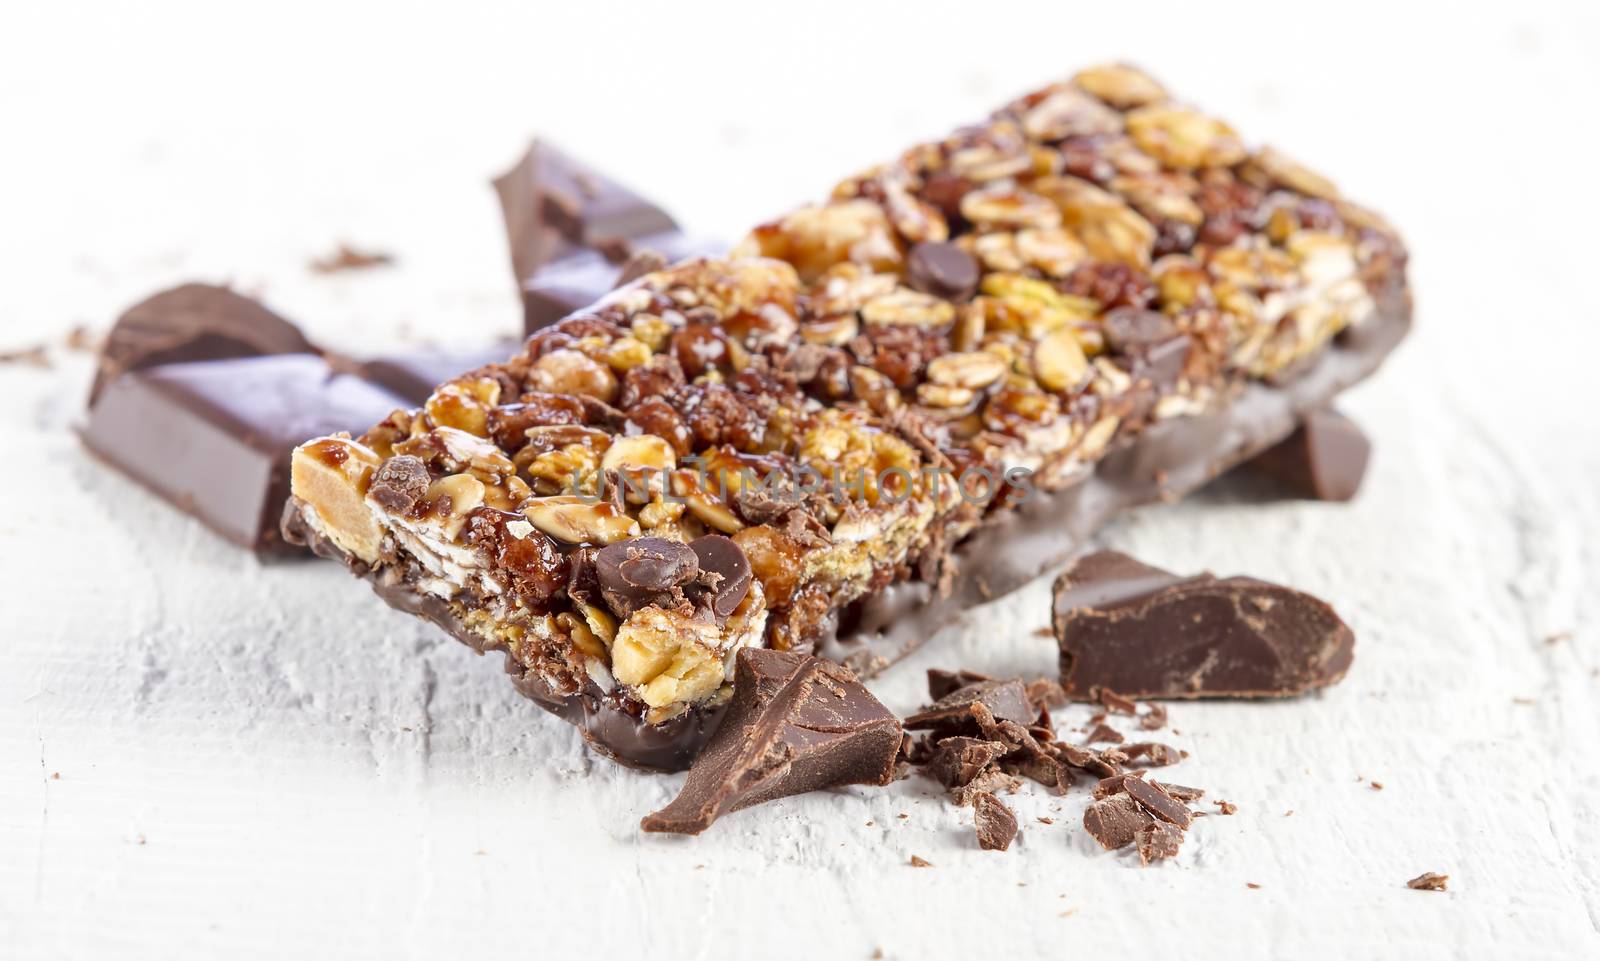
{"x": 878, "y": 411}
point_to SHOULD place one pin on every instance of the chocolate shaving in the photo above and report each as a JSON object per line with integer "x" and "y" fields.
{"x": 1429, "y": 882}
{"x": 1115, "y": 821}
{"x": 346, "y": 257}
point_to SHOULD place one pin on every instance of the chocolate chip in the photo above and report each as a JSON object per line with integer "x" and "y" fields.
{"x": 643, "y": 571}
{"x": 943, "y": 270}
{"x": 728, "y": 569}
{"x": 1158, "y": 802}
{"x": 399, "y": 483}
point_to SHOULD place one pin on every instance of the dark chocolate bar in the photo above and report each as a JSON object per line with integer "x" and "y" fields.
{"x": 897, "y": 404}
{"x": 1143, "y": 632}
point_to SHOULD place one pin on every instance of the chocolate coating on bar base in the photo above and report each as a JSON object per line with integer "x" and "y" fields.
{"x": 1146, "y": 633}
{"x": 796, "y": 724}
{"x": 1325, "y": 459}
{"x": 1168, "y": 460}
{"x": 604, "y": 724}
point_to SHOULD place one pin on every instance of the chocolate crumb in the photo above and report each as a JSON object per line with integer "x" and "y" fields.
{"x": 1429, "y": 882}
{"x": 994, "y": 822}
{"x": 1227, "y": 807}
{"x": 1104, "y": 734}
{"x": 350, "y": 258}
{"x": 1377, "y": 785}
{"x": 1045, "y": 820}
{"x": 1113, "y": 701}
{"x": 1154, "y": 718}
{"x": 917, "y": 862}
{"x": 1252, "y": 885}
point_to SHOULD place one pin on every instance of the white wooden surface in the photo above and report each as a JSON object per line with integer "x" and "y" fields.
{"x": 264, "y": 761}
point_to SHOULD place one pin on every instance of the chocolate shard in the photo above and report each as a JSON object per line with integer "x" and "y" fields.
{"x": 1158, "y": 841}
{"x": 1148, "y": 633}
{"x": 1115, "y": 821}
{"x": 952, "y": 714}
{"x": 1325, "y": 459}
{"x": 193, "y": 322}
{"x": 214, "y": 437}
{"x": 796, "y": 724}
{"x": 995, "y": 824}
{"x": 1159, "y": 803}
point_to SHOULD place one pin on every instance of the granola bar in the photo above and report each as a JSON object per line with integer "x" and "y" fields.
{"x": 877, "y": 411}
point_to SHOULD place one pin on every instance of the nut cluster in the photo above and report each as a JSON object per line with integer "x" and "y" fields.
{"x": 1020, "y": 295}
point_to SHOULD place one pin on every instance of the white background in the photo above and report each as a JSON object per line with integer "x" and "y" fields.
{"x": 263, "y": 761}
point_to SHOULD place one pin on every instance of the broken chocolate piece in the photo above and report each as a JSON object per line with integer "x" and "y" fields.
{"x": 1104, "y": 734}
{"x": 1158, "y": 802}
{"x": 644, "y": 571}
{"x": 952, "y": 714}
{"x": 1151, "y": 753}
{"x": 554, "y": 204}
{"x": 942, "y": 682}
{"x": 995, "y": 824}
{"x": 797, "y": 723}
{"x": 1115, "y": 821}
{"x": 956, "y": 761}
{"x": 1158, "y": 841}
{"x": 194, "y": 322}
{"x": 1325, "y": 459}
{"x": 1148, "y": 633}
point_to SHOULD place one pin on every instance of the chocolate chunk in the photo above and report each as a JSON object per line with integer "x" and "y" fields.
{"x": 943, "y": 270}
{"x": 554, "y": 204}
{"x": 1325, "y": 459}
{"x": 579, "y": 278}
{"x": 642, "y": 571}
{"x": 1115, "y": 821}
{"x": 1158, "y": 841}
{"x": 214, "y": 437}
{"x": 1157, "y": 802}
{"x": 1152, "y": 754}
{"x": 1154, "y": 344}
{"x": 1429, "y": 882}
{"x": 399, "y": 483}
{"x": 942, "y": 682}
{"x": 796, "y": 724}
{"x": 956, "y": 761}
{"x": 724, "y": 573}
{"x": 191, "y": 323}
{"x": 1149, "y": 633}
{"x": 995, "y": 824}
{"x": 991, "y": 781}
{"x": 1180, "y": 792}
{"x": 415, "y": 374}
{"x": 952, "y": 714}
